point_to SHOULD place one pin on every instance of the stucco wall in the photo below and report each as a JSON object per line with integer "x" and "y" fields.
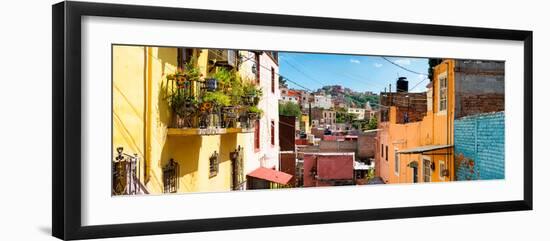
{"x": 480, "y": 138}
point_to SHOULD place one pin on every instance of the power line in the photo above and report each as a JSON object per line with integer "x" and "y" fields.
{"x": 418, "y": 84}
{"x": 402, "y": 67}
{"x": 285, "y": 78}
{"x": 358, "y": 78}
{"x": 303, "y": 73}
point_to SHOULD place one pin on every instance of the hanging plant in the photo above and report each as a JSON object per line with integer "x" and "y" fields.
{"x": 252, "y": 93}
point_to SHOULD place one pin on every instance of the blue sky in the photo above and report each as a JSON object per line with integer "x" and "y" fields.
{"x": 360, "y": 73}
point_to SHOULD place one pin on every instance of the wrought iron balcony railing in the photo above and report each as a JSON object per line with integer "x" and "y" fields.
{"x": 125, "y": 174}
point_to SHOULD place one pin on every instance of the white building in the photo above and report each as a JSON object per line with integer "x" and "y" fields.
{"x": 265, "y": 143}
{"x": 359, "y": 112}
{"x": 322, "y": 101}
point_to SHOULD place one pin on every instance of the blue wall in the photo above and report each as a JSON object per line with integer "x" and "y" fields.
{"x": 479, "y": 138}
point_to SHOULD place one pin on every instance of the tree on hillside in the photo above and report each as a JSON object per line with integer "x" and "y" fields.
{"x": 345, "y": 117}
{"x": 373, "y": 123}
{"x": 290, "y": 109}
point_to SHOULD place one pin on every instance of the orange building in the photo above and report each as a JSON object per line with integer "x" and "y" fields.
{"x": 417, "y": 146}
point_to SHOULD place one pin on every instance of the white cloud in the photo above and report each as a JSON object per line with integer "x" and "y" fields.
{"x": 378, "y": 65}
{"x": 403, "y": 61}
{"x": 354, "y": 61}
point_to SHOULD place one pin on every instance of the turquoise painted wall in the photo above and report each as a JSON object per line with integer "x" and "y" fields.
{"x": 479, "y": 138}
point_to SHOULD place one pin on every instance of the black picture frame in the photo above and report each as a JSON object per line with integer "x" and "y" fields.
{"x": 67, "y": 136}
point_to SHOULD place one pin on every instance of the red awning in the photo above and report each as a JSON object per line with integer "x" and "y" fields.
{"x": 271, "y": 175}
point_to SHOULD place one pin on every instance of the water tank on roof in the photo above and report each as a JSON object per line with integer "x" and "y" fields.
{"x": 402, "y": 84}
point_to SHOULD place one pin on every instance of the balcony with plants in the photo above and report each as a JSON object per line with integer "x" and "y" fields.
{"x": 220, "y": 103}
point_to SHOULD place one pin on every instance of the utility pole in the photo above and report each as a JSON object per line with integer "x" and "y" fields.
{"x": 309, "y": 102}
{"x": 391, "y": 100}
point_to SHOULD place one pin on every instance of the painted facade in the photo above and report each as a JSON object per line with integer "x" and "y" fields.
{"x": 458, "y": 135}
{"x": 480, "y": 120}
{"x": 142, "y": 120}
{"x": 268, "y": 72}
{"x": 479, "y": 146}
{"x": 398, "y": 157}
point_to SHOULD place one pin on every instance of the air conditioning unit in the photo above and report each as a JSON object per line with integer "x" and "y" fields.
{"x": 224, "y": 57}
{"x": 232, "y": 58}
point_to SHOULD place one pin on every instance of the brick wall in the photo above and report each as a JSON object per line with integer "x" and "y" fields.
{"x": 338, "y": 146}
{"x": 472, "y": 104}
{"x": 411, "y": 104}
{"x": 479, "y": 146}
{"x": 479, "y": 87}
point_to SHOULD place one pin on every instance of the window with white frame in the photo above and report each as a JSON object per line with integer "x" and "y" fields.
{"x": 443, "y": 92}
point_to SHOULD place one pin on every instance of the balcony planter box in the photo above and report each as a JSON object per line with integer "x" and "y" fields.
{"x": 229, "y": 117}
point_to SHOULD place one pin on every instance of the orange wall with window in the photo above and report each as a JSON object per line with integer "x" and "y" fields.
{"x": 436, "y": 128}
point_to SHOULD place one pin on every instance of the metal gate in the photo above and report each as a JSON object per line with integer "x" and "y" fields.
{"x": 125, "y": 174}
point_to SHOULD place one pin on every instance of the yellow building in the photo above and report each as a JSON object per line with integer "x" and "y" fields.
{"x": 419, "y": 150}
{"x": 304, "y": 123}
{"x": 203, "y": 160}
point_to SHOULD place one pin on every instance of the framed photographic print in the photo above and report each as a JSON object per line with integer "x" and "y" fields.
{"x": 170, "y": 120}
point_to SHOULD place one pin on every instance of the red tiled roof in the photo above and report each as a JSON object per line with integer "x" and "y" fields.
{"x": 271, "y": 175}
{"x": 293, "y": 93}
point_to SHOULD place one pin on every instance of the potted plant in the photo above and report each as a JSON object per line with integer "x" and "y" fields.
{"x": 179, "y": 95}
{"x": 213, "y": 102}
{"x": 254, "y": 112}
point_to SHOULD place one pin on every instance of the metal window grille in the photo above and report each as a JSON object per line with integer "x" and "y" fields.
{"x": 214, "y": 164}
{"x": 170, "y": 174}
